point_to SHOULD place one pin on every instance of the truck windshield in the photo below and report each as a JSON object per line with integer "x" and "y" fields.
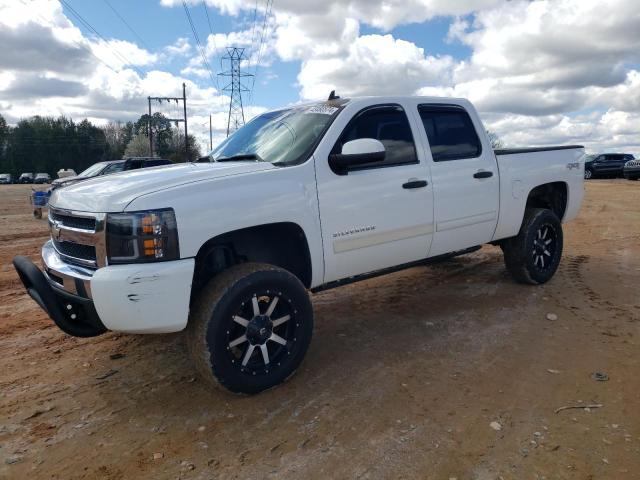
{"x": 282, "y": 137}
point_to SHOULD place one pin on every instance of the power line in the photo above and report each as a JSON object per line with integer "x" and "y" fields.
{"x": 213, "y": 36}
{"x": 127, "y": 24}
{"x": 253, "y": 29}
{"x": 84, "y": 22}
{"x": 82, "y": 46}
{"x": 267, "y": 13}
{"x": 198, "y": 44}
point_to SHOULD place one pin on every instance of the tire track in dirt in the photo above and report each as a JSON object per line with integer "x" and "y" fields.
{"x": 574, "y": 274}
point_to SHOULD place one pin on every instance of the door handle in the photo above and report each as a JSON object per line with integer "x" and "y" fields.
{"x": 415, "y": 184}
{"x": 482, "y": 174}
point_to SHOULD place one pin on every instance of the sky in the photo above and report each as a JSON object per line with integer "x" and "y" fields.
{"x": 539, "y": 72}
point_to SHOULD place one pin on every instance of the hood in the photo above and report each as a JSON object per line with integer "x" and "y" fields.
{"x": 112, "y": 193}
{"x": 72, "y": 178}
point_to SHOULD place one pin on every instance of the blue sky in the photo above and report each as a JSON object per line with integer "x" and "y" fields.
{"x": 170, "y": 23}
{"x": 539, "y": 73}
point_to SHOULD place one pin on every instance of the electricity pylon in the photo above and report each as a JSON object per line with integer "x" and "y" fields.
{"x": 235, "y": 87}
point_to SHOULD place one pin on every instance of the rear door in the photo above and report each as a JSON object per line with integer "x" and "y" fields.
{"x": 615, "y": 163}
{"x": 465, "y": 178}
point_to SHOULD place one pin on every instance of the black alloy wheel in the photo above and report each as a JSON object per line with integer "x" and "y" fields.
{"x": 250, "y": 327}
{"x": 533, "y": 256}
{"x": 544, "y": 247}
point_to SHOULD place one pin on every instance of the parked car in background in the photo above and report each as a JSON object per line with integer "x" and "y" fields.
{"x": 113, "y": 166}
{"x": 42, "y": 178}
{"x": 66, "y": 172}
{"x": 26, "y": 178}
{"x": 631, "y": 170}
{"x": 6, "y": 179}
{"x": 606, "y": 165}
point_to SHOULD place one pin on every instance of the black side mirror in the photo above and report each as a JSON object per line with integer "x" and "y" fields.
{"x": 357, "y": 152}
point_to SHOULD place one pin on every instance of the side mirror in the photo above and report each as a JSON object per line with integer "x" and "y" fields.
{"x": 357, "y": 152}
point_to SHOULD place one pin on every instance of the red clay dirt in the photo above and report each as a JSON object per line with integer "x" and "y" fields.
{"x": 405, "y": 376}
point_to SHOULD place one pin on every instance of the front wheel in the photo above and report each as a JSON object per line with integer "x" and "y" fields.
{"x": 587, "y": 174}
{"x": 250, "y": 327}
{"x": 534, "y": 254}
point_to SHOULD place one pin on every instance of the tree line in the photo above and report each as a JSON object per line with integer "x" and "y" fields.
{"x": 48, "y": 144}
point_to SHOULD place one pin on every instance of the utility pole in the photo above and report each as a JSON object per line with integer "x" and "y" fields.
{"x": 210, "y": 134}
{"x": 186, "y": 137}
{"x": 149, "y": 130}
{"x": 235, "y": 87}
{"x": 182, "y": 99}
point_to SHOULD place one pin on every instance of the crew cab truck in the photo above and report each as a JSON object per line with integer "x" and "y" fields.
{"x": 300, "y": 199}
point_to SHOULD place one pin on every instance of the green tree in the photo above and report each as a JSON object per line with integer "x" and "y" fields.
{"x": 137, "y": 147}
{"x": 496, "y": 142}
{"x": 47, "y": 144}
{"x": 4, "y": 133}
{"x": 118, "y": 135}
{"x": 178, "y": 153}
{"x": 161, "y": 131}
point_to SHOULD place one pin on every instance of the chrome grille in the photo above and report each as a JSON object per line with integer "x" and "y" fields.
{"x": 78, "y": 237}
{"x": 76, "y": 250}
{"x": 83, "y": 223}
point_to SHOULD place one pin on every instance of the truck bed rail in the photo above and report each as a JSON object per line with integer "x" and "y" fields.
{"x": 513, "y": 151}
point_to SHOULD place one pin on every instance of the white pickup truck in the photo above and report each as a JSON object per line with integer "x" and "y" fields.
{"x": 300, "y": 199}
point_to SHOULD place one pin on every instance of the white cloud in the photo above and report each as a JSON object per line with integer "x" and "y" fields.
{"x": 374, "y": 64}
{"x": 180, "y": 47}
{"x": 49, "y": 68}
{"x": 562, "y": 71}
{"x": 543, "y": 56}
{"x": 121, "y": 53}
{"x": 384, "y": 14}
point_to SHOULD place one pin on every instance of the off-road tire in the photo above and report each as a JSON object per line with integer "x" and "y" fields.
{"x": 211, "y": 324}
{"x": 522, "y": 252}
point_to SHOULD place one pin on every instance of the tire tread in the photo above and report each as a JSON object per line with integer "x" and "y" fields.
{"x": 515, "y": 251}
{"x": 202, "y": 311}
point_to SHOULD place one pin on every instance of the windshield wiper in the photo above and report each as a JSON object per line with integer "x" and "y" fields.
{"x": 243, "y": 156}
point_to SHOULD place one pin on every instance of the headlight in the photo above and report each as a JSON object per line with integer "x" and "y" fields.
{"x": 138, "y": 237}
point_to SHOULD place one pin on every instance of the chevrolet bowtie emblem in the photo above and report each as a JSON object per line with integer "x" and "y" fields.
{"x": 55, "y": 230}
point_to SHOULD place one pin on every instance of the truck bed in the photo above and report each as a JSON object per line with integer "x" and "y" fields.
{"x": 522, "y": 169}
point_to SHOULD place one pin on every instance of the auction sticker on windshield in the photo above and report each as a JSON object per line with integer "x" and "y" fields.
{"x": 322, "y": 109}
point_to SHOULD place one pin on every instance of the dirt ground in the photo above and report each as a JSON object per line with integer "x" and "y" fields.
{"x": 405, "y": 376}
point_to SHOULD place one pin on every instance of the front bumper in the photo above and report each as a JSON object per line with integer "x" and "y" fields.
{"x": 73, "y": 314}
{"x": 631, "y": 171}
{"x": 137, "y": 298}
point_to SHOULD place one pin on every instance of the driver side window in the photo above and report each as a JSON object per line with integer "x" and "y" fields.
{"x": 390, "y": 125}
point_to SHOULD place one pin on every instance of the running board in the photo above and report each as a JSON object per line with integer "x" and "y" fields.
{"x": 385, "y": 271}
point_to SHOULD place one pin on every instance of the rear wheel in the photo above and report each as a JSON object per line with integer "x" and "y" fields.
{"x": 534, "y": 254}
{"x": 250, "y": 328}
{"x": 588, "y": 174}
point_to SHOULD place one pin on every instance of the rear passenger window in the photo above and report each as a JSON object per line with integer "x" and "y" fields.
{"x": 450, "y": 131}
{"x": 390, "y": 125}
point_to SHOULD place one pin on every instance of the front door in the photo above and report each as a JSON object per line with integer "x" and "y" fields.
{"x": 381, "y": 214}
